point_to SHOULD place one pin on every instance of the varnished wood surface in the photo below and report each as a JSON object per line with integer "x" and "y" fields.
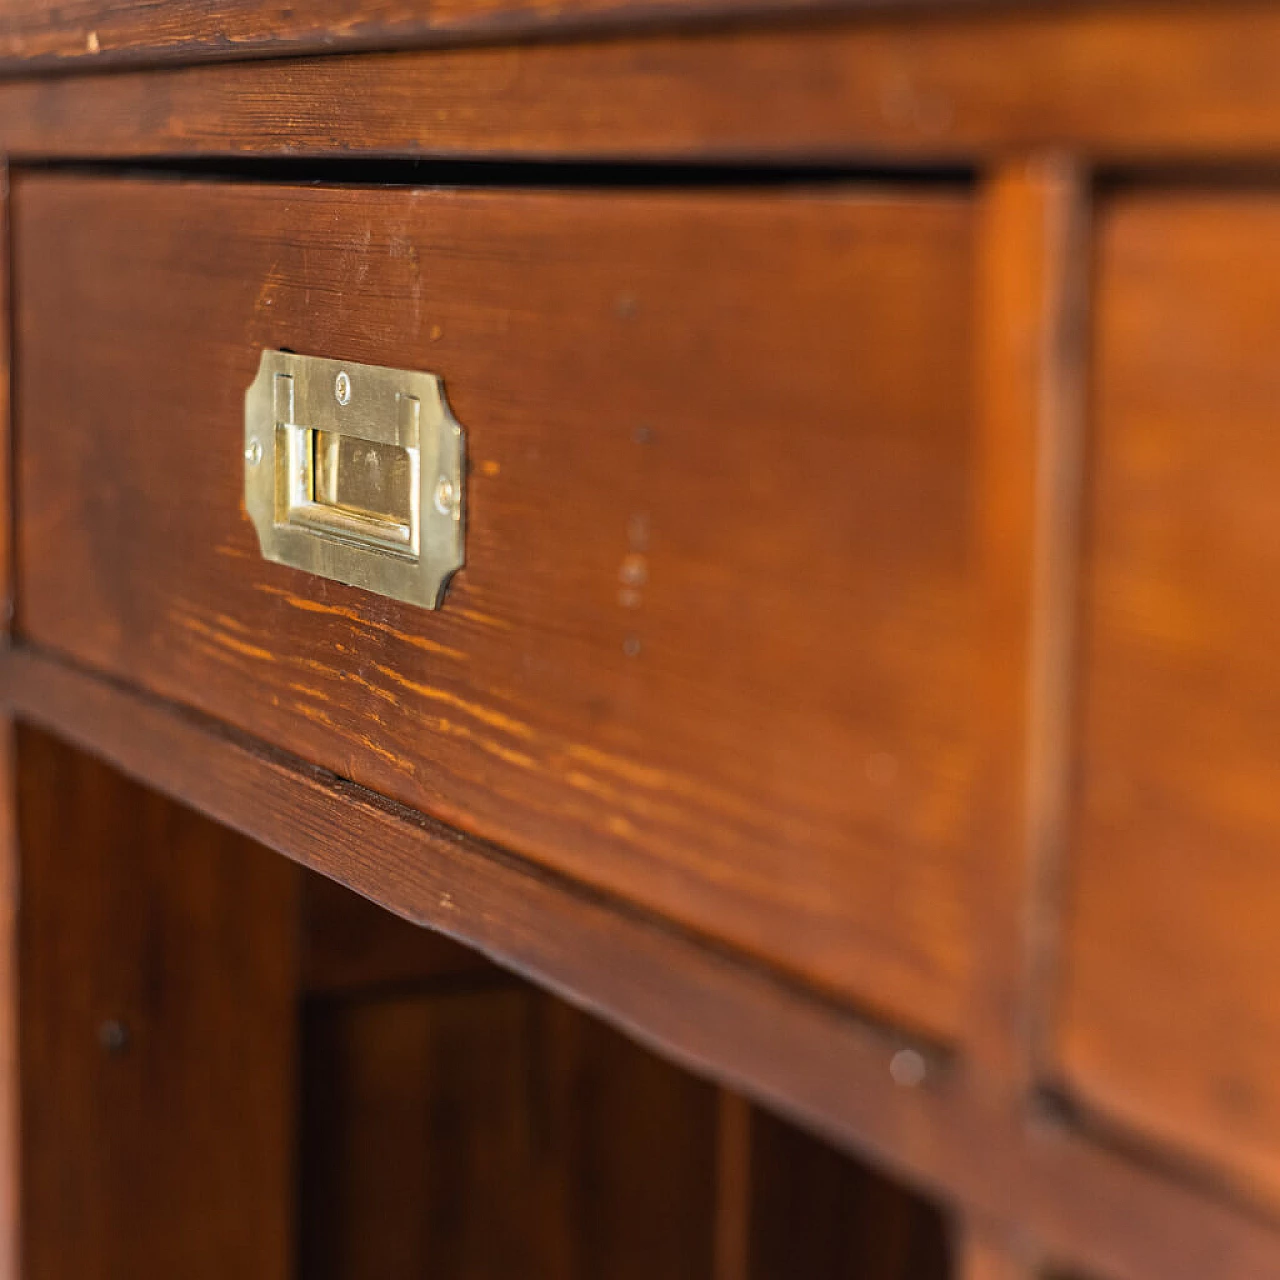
{"x": 731, "y": 1243}
{"x": 10, "y": 1100}
{"x": 486, "y": 1132}
{"x": 470, "y": 1125}
{"x": 792, "y": 1208}
{"x": 1138, "y": 86}
{"x": 10, "y": 1092}
{"x": 1083, "y": 1204}
{"x": 712, "y": 646}
{"x": 1169, "y": 1020}
{"x": 816, "y": 1214}
{"x": 1034, "y": 262}
{"x": 158, "y": 1050}
{"x": 348, "y": 946}
{"x": 43, "y": 34}
{"x": 1141, "y": 83}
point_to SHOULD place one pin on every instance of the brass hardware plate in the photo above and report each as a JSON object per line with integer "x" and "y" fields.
{"x": 355, "y": 472}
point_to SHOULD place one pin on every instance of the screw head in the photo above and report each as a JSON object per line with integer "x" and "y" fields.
{"x": 342, "y": 388}
{"x": 113, "y": 1036}
{"x": 444, "y": 496}
{"x": 253, "y": 452}
{"x": 908, "y": 1068}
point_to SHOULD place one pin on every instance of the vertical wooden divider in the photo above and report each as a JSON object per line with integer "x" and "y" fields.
{"x": 10, "y": 1145}
{"x": 1032, "y": 277}
{"x": 732, "y": 1241}
{"x": 159, "y": 1042}
{"x": 1031, "y": 302}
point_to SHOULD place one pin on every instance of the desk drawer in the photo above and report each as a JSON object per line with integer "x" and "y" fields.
{"x": 712, "y": 646}
{"x": 1170, "y": 1020}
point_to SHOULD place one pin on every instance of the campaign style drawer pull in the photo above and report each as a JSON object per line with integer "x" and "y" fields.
{"x": 355, "y": 472}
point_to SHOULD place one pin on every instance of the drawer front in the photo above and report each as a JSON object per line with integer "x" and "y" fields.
{"x": 712, "y": 647}
{"x": 1170, "y": 1016}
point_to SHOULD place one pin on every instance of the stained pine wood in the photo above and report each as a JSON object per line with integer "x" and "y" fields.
{"x": 661, "y": 671}
{"x": 350, "y": 946}
{"x": 158, "y": 1050}
{"x": 1126, "y": 83}
{"x": 816, "y": 1214}
{"x": 1169, "y": 1023}
{"x": 1033, "y": 264}
{"x": 10, "y": 1101}
{"x": 731, "y": 1243}
{"x": 37, "y": 34}
{"x": 11, "y": 1168}
{"x": 475, "y": 1127}
{"x": 483, "y": 1132}
{"x": 703, "y": 1008}
{"x": 1085, "y": 1204}
{"x": 6, "y": 433}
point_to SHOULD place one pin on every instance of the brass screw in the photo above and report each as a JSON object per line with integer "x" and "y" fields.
{"x": 342, "y": 388}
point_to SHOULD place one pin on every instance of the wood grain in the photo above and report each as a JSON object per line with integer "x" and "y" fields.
{"x": 816, "y": 1214}
{"x": 7, "y": 550}
{"x": 705, "y": 1009}
{"x": 1169, "y": 1020}
{"x": 43, "y": 34}
{"x": 10, "y": 1102}
{"x": 157, "y": 1042}
{"x": 731, "y": 1256}
{"x": 1031, "y": 317}
{"x": 491, "y": 1132}
{"x": 11, "y": 1168}
{"x": 350, "y": 946}
{"x": 659, "y": 671}
{"x": 1137, "y": 83}
{"x": 1089, "y": 1208}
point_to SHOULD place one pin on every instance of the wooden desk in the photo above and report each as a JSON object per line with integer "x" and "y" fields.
{"x": 861, "y": 683}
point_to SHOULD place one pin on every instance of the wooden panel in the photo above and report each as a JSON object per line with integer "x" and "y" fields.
{"x": 731, "y": 1245}
{"x": 41, "y": 33}
{"x": 10, "y": 1098}
{"x": 350, "y": 945}
{"x": 7, "y": 554}
{"x": 1085, "y": 1203}
{"x": 1169, "y": 1020}
{"x": 492, "y": 1133}
{"x": 1143, "y": 81}
{"x": 158, "y": 1037}
{"x": 817, "y": 1215}
{"x": 10, "y": 1141}
{"x": 712, "y": 646}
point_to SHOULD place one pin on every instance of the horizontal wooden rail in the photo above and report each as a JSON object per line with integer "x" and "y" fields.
{"x": 47, "y": 35}
{"x": 1168, "y": 83}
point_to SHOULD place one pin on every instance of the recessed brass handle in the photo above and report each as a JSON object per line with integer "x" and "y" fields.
{"x": 355, "y": 472}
